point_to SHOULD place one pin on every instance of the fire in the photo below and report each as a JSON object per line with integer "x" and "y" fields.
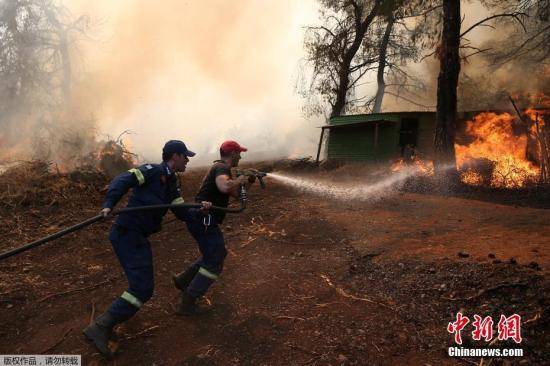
{"x": 397, "y": 165}
{"x": 472, "y": 178}
{"x": 540, "y": 133}
{"x": 423, "y": 167}
{"x": 499, "y": 149}
{"x": 537, "y": 117}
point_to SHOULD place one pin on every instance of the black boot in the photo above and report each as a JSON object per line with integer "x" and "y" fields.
{"x": 100, "y": 331}
{"x": 188, "y": 306}
{"x": 183, "y": 279}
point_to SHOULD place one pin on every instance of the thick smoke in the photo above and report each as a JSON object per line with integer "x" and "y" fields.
{"x": 202, "y": 72}
{"x": 484, "y": 83}
{"x": 214, "y": 70}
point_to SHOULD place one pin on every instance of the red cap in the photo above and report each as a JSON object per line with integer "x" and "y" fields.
{"x": 230, "y": 146}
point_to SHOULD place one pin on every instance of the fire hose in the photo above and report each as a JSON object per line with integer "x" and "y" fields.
{"x": 242, "y": 198}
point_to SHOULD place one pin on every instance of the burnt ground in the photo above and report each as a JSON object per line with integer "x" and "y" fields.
{"x": 307, "y": 281}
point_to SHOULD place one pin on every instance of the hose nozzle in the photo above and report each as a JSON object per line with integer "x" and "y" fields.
{"x": 253, "y": 173}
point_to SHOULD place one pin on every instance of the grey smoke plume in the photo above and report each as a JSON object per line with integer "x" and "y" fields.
{"x": 202, "y": 72}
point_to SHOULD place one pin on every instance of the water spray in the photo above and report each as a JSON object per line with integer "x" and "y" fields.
{"x": 362, "y": 192}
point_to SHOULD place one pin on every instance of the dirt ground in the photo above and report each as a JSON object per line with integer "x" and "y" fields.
{"x": 307, "y": 281}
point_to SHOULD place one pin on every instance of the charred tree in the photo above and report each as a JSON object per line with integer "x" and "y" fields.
{"x": 447, "y": 83}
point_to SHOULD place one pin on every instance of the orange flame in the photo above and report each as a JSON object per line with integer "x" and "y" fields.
{"x": 537, "y": 117}
{"x": 423, "y": 167}
{"x": 472, "y": 178}
{"x": 495, "y": 140}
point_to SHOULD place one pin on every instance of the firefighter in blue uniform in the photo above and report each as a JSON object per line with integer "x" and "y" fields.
{"x": 217, "y": 186}
{"x": 151, "y": 184}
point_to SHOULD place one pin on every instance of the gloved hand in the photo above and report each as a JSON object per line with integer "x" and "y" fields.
{"x": 251, "y": 174}
{"x": 205, "y": 206}
{"x": 242, "y": 179}
{"x": 106, "y": 212}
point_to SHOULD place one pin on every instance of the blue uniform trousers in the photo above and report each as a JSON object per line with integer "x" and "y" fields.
{"x": 212, "y": 248}
{"x": 134, "y": 254}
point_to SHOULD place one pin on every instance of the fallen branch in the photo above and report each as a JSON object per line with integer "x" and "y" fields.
{"x": 142, "y": 332}
{"x": 290, "y": 317}
{"x": 483, "y": 291}
{"x": 58, "y": 342}
{"x": 248, "y": 242}
{"x": 75, "y": 290}
{"x": 533, "y": 319}
{"x": 325, "y": 304}
{"x": 343, "y": 293}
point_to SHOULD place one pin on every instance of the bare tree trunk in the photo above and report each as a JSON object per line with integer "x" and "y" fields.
{"x": 382, "y": 67}
{"x": 447, "y": 82}
{"x": 345, "y": 69}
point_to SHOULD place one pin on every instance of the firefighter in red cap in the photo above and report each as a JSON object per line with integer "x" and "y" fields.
{"x": 216, "y": 187}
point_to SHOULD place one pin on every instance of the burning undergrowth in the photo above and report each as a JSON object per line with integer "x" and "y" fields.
{"x": 114, "y": 157}
{"x": 501, "y": 152}
{"x": 41, "y": 184}
{"x": 421, "y": 166}
{"x": 507, "y": 150}
{"x": 501, "y": 157}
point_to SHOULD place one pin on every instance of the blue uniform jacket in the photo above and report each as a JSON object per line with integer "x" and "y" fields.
{"x": 151, "y": 184}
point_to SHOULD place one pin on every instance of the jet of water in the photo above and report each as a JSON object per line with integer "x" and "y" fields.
{"x": 355, "y": 191}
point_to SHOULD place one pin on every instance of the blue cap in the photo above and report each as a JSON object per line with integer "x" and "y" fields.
{"x": 176, "y": 147}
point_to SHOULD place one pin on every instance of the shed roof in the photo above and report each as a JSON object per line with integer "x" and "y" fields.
{"x": 372, "y": 117}
{"x": 357, "y": 123}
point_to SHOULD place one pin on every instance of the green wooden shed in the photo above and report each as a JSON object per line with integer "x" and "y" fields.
{"x": 378, "y": 137}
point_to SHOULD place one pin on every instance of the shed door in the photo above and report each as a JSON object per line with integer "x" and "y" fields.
{"x": 408, "y": 134}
